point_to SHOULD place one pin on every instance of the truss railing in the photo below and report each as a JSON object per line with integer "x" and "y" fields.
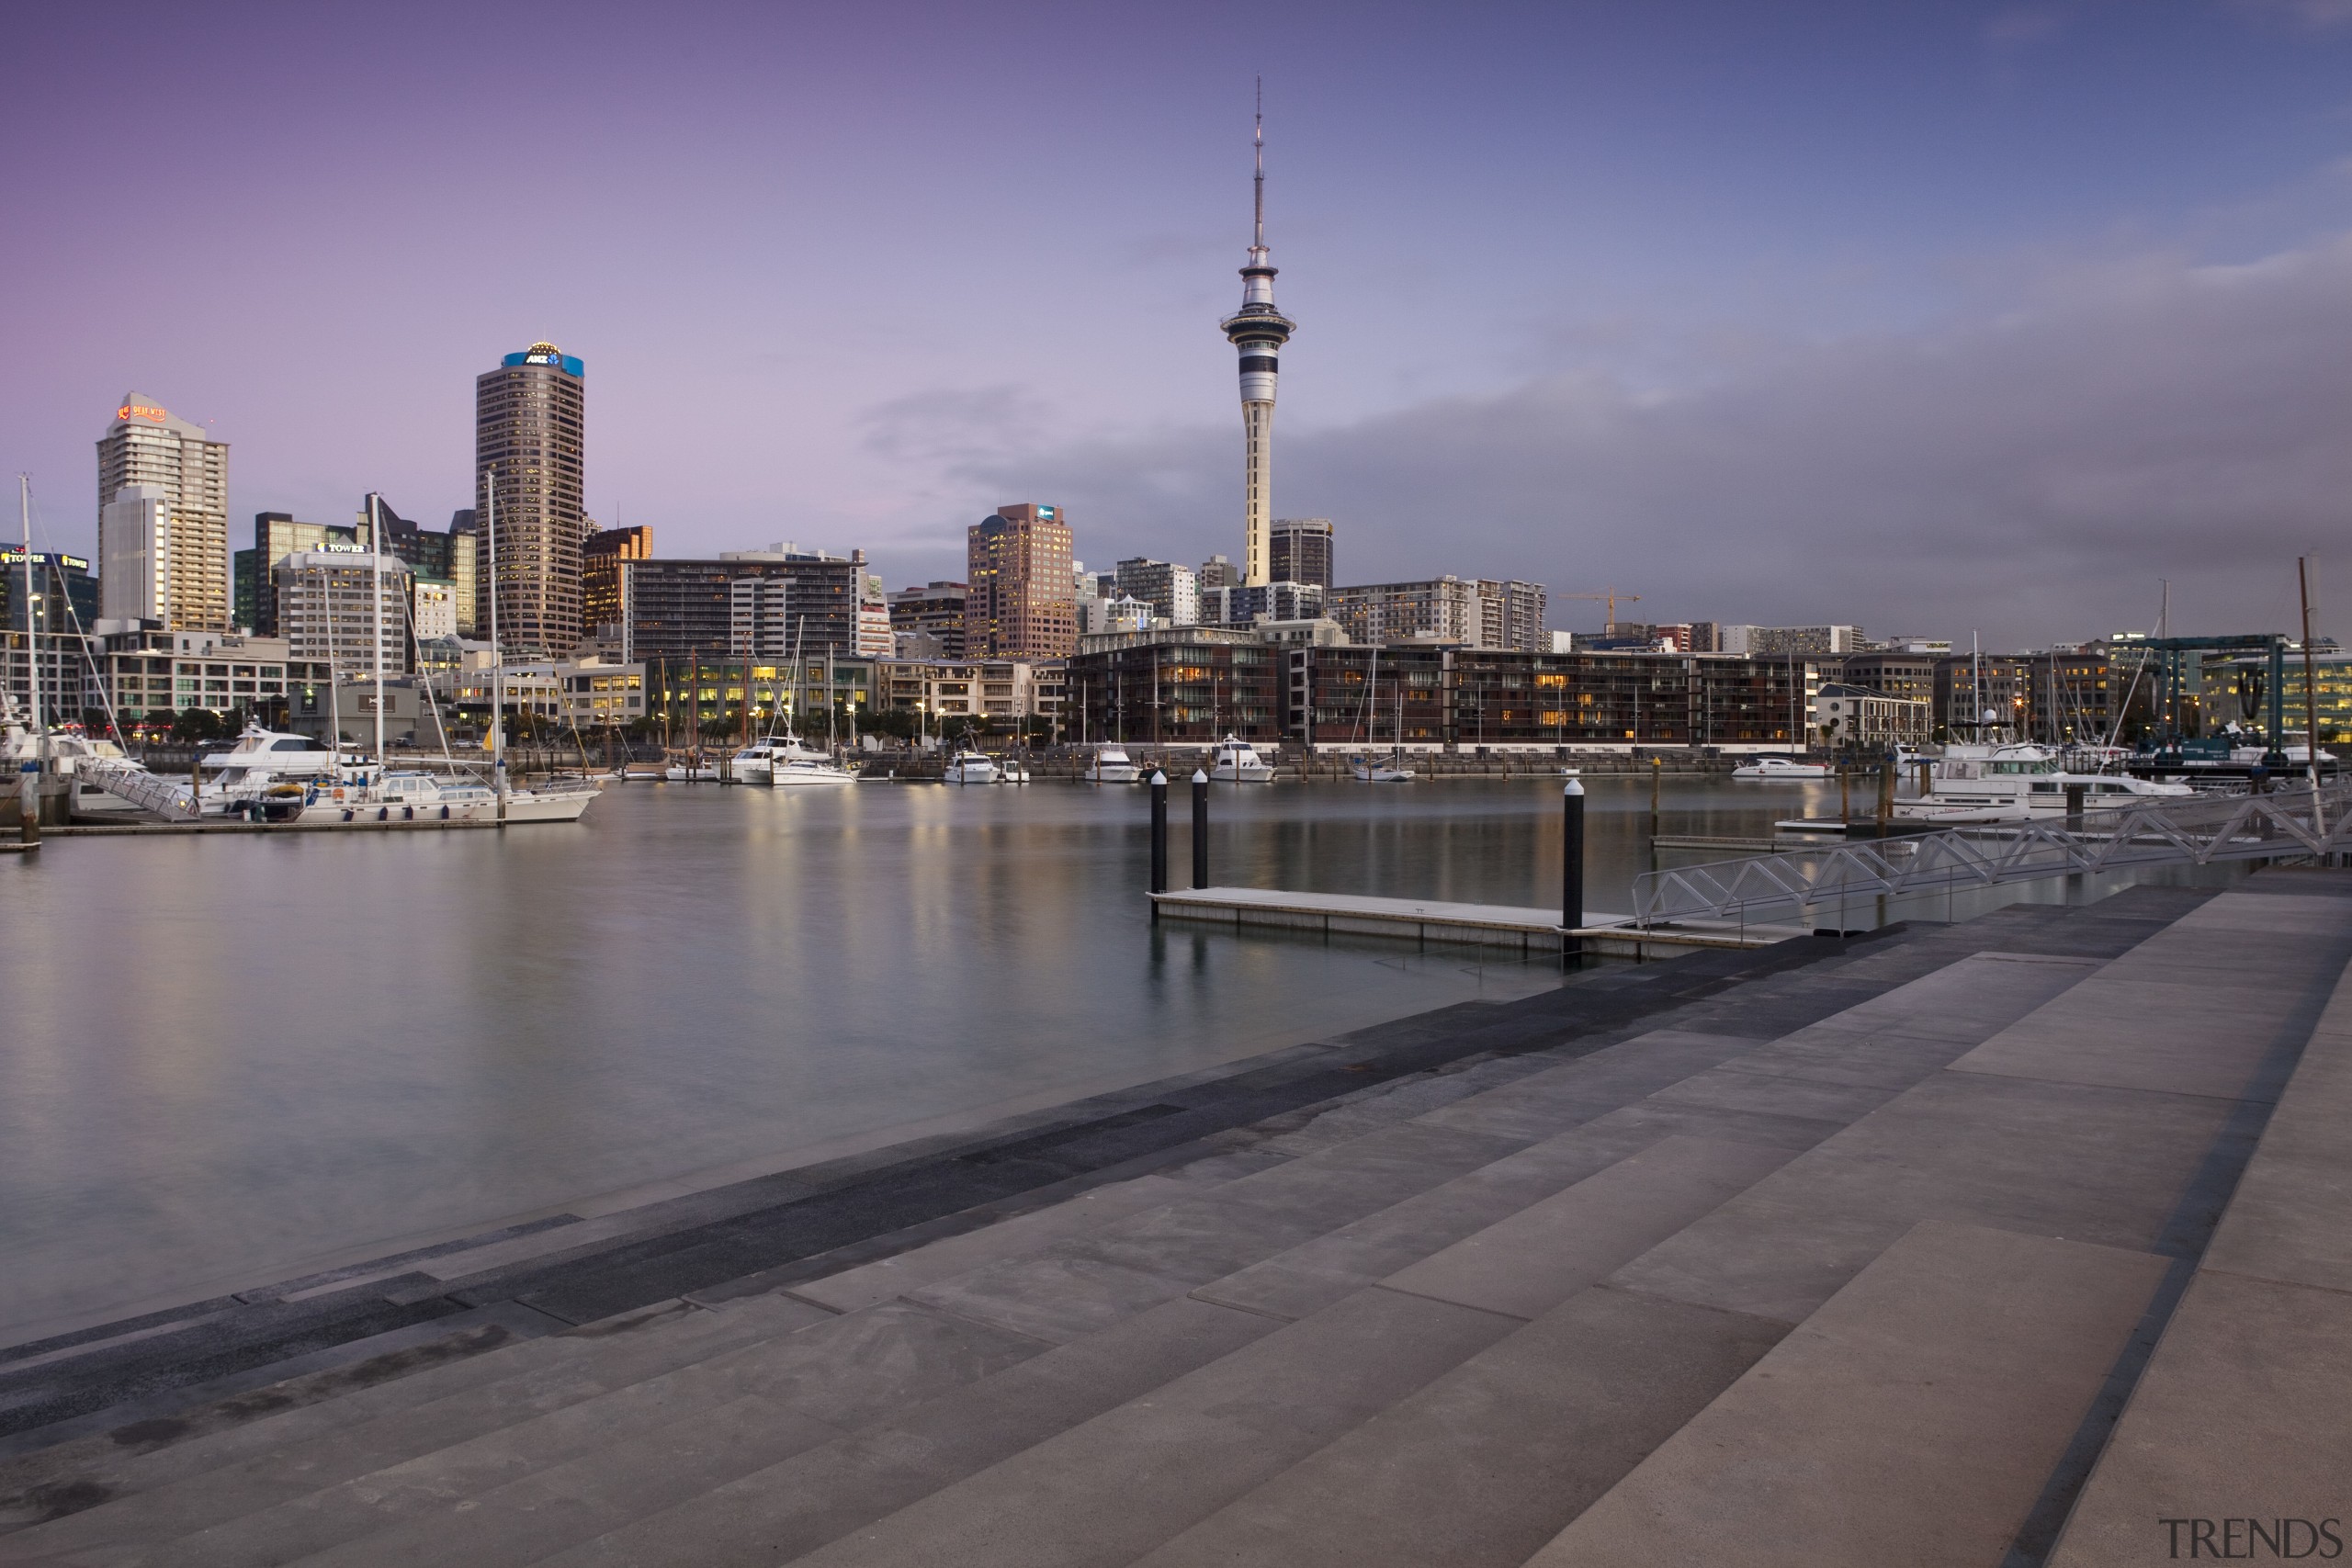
{"x": 2151, "y": 831}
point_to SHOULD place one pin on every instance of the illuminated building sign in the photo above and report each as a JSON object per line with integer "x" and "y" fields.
{"x": 147, "y": 412}
{"x": 14, "y": 555}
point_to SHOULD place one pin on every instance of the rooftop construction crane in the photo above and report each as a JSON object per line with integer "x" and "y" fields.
{"x": 1610, "y": 595}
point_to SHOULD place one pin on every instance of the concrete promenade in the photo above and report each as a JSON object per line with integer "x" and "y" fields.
{"x": 2024, "y": 1240}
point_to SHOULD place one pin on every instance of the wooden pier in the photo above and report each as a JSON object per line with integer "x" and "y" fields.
{"x": 1426, "y": 922}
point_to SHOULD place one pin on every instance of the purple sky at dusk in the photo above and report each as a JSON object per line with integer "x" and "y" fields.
{"x": 1932, "y": 317}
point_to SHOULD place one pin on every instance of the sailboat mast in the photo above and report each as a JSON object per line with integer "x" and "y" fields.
{"x": 2311, "y": 692}
{"x": 29, "y": 778}
{"x": 497, "y": 654}
{"x": 376, "y": 616}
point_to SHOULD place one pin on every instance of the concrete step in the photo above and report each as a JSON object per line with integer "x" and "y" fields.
{"x": 225, "y": 1474}
{"x": 2237, "y": 1438}
{"x": 1913, "y": 1418}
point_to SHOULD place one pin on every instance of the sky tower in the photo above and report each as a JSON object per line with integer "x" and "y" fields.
{"x": 1258, "y": 331}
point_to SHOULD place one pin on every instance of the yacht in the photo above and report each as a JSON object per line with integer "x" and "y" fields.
{"x": 1113, "y": 765}
{"x": 1768, "y": 770}
{"x": 2019, "y": 782}
{"x": 1013, "y": 770}
{"x": 1236, "y": 761}
{"x": 420, "y": 797}
{"x": 72, "y": 755}
{"x": 1369, "y": 772}
{"x": 970, "y": 768}
{"x": 783, "y": 760}
{"x": 263, "y": 763}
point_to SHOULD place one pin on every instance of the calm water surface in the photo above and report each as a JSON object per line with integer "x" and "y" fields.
{"x": 227, "y": 1060}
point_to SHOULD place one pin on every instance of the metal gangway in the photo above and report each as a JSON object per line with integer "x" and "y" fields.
{"x": 2150, "y": 831}
{"x": 174, "y": 800}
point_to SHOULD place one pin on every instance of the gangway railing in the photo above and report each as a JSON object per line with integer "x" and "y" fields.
{"x": 2150, "y": 831}
{"x": 175, "y": 800}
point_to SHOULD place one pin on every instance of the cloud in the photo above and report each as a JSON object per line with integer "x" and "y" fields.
{"x": 2032, "y": 473}
{"x": 2308, "y": 13}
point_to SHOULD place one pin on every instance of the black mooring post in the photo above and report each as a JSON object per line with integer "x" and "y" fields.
{"x": 2075, "y": 793}
{"x": 1158, "y": 836}
{"x": 1572, "y": 869}
{"x": 1200, "y": 828}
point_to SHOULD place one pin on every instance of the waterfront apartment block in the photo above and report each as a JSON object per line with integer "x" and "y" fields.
{"x": 1276, "y": 601}
{"x": 758, "y": 603}
{"x": 530, "y": 416}
{"x": 66, "y": 596}
{"x": 1911, "y": 676}
{"x": 171, "y": 540}
{"x": 946, "y": 690}
{"x": 1850, "y": 718}
{"x": 149, "y": 674}
{"x": 1180, "y": 686}
{"x": 684, "y": 694}
{"x": 348, "y": 611}
{"x": 1467, "y": 611}
{"x": 1021, "y": 603}
{"x": 600, "y": 576}
{"x": 1300, "y": 551}
{"x": 1768, "y": 641}
{"x": 934, "y": 610}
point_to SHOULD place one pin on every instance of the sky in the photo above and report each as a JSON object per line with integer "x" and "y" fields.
{"x": 1941, "y": 318}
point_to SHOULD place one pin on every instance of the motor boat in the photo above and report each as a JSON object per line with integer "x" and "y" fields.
{"x": 69, "y": 752}
{"x": 2019, "y": 782}
{"x": 263, "y": 765}
{"x": 1013, "y": 770}
{"x": 971, "y": 768}
{"x": 783, "y": 761}
{"x": 1784, "y": 770}
{"x": 1236, "y": 761}
{"x": 1113, "y": 765}
{"x": 696, "y": 769}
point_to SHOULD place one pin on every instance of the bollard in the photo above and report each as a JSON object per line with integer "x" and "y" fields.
{"x": 1572, "y": 869}
{"x": 1927, "y": 778}
{"x": 29, "y": 802}
{"x": 2075, "y": 793}
{"x": 1885, "y": 797}
{"x": 1200, "y": 828}
{"x": 1158, "y": 836}
{"x": 1658, "y": 768}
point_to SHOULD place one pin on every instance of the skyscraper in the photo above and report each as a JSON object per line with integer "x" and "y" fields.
{"x": 175, "y": 539}
{"x": 1259, "y": 332}
{"x": 1022, "y": 602}
{"x": 1301, "y": 550}
{"x": 528, "y": 418}
{"x": 600, "y": 575}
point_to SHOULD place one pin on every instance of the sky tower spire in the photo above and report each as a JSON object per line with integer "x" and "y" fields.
{"x": 1258, "y": 331}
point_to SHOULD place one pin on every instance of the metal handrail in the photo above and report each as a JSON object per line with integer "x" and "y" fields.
{"x": 2167, "y": 831}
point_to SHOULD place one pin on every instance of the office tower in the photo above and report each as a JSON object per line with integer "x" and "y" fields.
{"x": 600, "y": 574}
{"x": 1301, "y": 550}
{"x": 278, "y": 535}
{"x": 66, "y": 595}
{"x": 529, "y": 415}
{"x": 443, "y": 558}
{"x": 323, "y": 598}
{"x": 1219, "y": 572}
{"x": 764, "y": 600}
{"x": 1171, "y": 589}
{"x": 183, "y": 526}
{"x": 934, "y": 610}
{"x": 1020, "y": 604}
{"x": 1258, "y": 332}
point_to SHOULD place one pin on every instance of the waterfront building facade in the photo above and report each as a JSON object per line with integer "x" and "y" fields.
{"x": 529, "y": 421}
{"x": 935, "y": 610}
{"x": 1021, "y": 603}
{"x": 1176, "y": 686}
{"x": 278, "y": 535}
{"x": 687, "y": 696}
{"x": 149, "y": 674}
{"x": 1276, "y": 601}
{"x": 1848, "y": 717}
{"x": 1471, "y": 611}
{"x": 1510, "y": 615}
{"x": 1300, "y": 551}
{"x": 344, "y": 610}
{"x": 1911, "y": 676}
{"x": 947, "y": 691}
{"x": 1219, "y": 572}
{"x": 174, "y": 541}
{"x": 756, "y": 600}
{"x": 1768, "y": 641}
{"x": 447, "y": 559}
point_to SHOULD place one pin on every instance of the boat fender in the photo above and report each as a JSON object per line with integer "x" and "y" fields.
{"x": 346, "y": 811}
{"x": 444, "y": 814}
{"x": 383, "y": 814}
{"x": 408, "y": 813}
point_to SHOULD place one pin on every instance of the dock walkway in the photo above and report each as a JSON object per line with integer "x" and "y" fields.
{"x": 1426, "y": 921}
{"x": 1837, "y": 1253}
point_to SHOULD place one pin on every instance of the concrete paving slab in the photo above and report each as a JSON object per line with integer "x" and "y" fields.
{"x": 1528, "y": 1263}
{"x": 1491, "y": 1459}
{"x": 795, "y": 1507}
{"x": 1724, "y": 1089}
{"x": 2242, "y": 1422}
{"x": 1884, "y": 1060}
{"x": 878, "y": 1281}
{"x": 2285, "y": 1221}
{"x": 1111, "y": 1489}
{"x": 2119, "y": 1167}
{"x": 1608, "y": 1078}
{"x": 1913, "y": 1420}
{"x": 2222, "y": 1041}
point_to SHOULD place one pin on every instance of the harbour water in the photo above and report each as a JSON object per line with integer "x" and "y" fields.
{"x": 228, "y": 1059}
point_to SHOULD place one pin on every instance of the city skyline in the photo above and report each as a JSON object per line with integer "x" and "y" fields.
{"x": 1985, "y": 318}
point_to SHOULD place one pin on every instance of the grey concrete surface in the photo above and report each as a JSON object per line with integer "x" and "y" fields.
{"x": 1912, "y": 1420}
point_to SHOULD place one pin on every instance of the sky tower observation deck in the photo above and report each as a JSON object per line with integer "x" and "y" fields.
{"x": 1258, "y": 331}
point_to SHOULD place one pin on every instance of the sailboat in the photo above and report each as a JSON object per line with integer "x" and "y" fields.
{"x": 778, "y": 758}
{"x": 1394, "y": 772}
